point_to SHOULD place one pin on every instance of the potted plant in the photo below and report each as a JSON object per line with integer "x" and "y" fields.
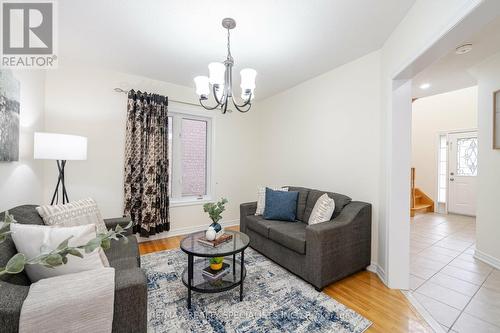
{"x": 216, "y": 263}
{"x": 214, "y": 211}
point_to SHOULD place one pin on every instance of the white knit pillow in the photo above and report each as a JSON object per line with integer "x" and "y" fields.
{"x": 323, "y": 210}
{"x": 261, "y": 197}
{"x": 80, "y": 212}
{"x": 32, "y": 240}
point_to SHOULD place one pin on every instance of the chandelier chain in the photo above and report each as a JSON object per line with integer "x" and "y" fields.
{"x": 229, "y": 56}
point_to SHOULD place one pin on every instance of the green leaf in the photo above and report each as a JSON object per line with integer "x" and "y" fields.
{"x": 65, "y": 260}
{"x": 92, "y": 245}
{"x": 53, "y": 259}
{"x": 64, "y": 244}
{"x": 75, "y": 252}
{"x": 106, "y": 244}
{"x": 16, "y": 264}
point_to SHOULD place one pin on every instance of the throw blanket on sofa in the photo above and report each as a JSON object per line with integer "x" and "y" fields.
{"x": 80, "y": 302}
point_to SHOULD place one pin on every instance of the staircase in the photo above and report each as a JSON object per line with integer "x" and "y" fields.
{"x": 420, "y": 202}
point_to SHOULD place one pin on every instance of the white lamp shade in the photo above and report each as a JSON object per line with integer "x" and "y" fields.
{"x": 202, "y": 87}
{"x": 216, "y": 71}
{"x": 248, "y": 79}
{"x": 53, "y": 146}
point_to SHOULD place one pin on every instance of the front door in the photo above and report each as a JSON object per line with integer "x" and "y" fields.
{"x": 462, "y": 173}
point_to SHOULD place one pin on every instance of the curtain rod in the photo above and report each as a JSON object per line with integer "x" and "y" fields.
{"x": 120, "y": 90}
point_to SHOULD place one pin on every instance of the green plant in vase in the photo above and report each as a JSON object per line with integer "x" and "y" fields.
{"x": 214, "y": 211}
{"x": 216, "y": 263}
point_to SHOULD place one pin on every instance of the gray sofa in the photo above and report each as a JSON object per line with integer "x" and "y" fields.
{"x": 130, "y": 309}
{"x": 321, "y": 253}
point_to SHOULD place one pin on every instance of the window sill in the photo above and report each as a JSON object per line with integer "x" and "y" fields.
{"x": 190, "y": 202}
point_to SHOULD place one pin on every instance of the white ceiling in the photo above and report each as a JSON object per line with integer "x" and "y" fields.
{"x": 286, "y": 41}
{"x": 452, "y": 71}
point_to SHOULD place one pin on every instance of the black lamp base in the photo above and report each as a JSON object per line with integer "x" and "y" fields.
{"x": 60, "y": 181}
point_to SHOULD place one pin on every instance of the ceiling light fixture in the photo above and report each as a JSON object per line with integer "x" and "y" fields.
{"x": 463, "y": 49}
{"x": 425, "y": 86}
{"x": 221, "y": 79}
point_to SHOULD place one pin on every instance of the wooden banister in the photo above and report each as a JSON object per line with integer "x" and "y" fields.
{"x": 412, "y": 188}
{"x": 420, "y": 202}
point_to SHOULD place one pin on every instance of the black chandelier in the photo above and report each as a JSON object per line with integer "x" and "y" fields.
{"x": 221, "y": 80}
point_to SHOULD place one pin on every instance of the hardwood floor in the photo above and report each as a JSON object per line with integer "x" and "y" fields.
{"x": 388, "y": 309}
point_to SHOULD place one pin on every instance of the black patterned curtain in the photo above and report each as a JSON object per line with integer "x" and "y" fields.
{"x": 146, "y": 163}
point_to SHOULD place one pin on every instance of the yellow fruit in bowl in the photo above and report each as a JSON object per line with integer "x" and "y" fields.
{"x": 216, "y": 267}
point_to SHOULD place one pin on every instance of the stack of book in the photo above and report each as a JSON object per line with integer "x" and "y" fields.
{"x": 212, "y": 275}
{"x": 216, "y": 242}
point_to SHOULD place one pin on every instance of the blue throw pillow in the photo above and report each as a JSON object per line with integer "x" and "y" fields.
{"x": 280, "y": 205}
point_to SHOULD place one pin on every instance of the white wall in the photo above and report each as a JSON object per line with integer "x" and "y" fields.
{"x": 425, "y": 24}
{"x": 455, "y": 110}
{"x": 324, "y": 133}
{"x": 81, "y": 101}
{"x": 488, "y": 208}
{"x": 21, "y": 182}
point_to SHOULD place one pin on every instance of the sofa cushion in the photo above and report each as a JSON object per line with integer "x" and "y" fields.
{"x": 281, "y": 205}
{"x": 31, "y": 240}
{"x": 290, "y": 235}
{"x": 258, "y": 224}
{"x": 25, "y": 214}
{"x": 301, "y": 202}
{"x": 79, "y": 212}
{"x": 340, "y": 202}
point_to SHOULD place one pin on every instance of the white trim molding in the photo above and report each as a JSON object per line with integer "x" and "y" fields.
{"x": 436, "y": 327}
{"x": 486, "y": 258}
{"x": 375, "y": 268}
{"x": 185, "y": 231}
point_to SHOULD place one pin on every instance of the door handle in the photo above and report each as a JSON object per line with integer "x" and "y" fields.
{"x": 452, "y": 179}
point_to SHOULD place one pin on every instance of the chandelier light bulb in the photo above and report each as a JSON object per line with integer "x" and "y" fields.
{"x": 202, "y": 87}
{"x": 248, "y": 79}
{"x": 217, "y": 72}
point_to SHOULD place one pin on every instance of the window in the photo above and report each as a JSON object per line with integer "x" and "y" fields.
{"x": 190, "y": 155}
{"x": 443, "y": 168}
{"x": 467, "y": 156}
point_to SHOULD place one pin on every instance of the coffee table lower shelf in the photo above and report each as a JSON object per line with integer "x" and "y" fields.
{"x": 203, "y": 285}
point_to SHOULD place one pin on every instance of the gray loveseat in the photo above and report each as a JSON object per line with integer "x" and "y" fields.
{"x": 321, "y": 253}
{"x": 130, "y": 309}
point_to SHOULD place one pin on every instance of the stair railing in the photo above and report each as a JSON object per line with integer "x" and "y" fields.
{"x": 413, "y": 197}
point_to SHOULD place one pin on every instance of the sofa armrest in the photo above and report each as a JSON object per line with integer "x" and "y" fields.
{"x": 12, "y": 297}
{"x": 246, "y": 209}
{"x": 122, "y": 221}
{"x": 131, "y": 301}
{"x": 339, "y": 246}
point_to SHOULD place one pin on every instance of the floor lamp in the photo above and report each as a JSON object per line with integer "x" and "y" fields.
{"x": 62, "y": 148}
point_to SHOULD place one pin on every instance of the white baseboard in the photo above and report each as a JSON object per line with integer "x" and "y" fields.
{"x": 185, "y": 231}
{"x": 375, "y": 268}
{"x": 486, "y": 258}
{"x": 423, "y": 312}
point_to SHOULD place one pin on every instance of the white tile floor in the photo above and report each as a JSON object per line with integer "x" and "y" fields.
{"x": 459, "y": 291}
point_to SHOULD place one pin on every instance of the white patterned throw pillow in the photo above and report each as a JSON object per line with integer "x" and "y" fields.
{"x": 80, "y": 212}
{"x": 261, "y": 197}
{"x": 32, "y": 240}
{"x": 323, "y": 210}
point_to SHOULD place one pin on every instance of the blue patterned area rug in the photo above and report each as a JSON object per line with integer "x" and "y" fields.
{"x": 274, "y": 301}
